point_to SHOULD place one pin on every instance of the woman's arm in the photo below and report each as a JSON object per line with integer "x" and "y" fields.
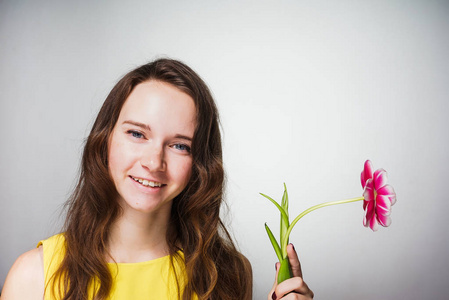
{"x": 25, "y": 280}
{"x": 295, "y": 287}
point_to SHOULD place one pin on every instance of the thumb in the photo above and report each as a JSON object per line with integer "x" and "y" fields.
{"x": 294, "y": 261}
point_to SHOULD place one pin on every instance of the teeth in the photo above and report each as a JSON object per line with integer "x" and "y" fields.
{"x": 147, "y": 183}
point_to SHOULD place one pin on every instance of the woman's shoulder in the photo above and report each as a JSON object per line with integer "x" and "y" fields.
{"x": 25, "y": 280}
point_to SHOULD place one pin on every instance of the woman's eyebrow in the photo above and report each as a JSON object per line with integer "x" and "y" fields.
{"x": 146, "y": 127}
{"x": 138, "y": 124}
{"x": 183, "y": 137}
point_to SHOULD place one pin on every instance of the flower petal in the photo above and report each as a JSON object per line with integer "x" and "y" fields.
{"x": 389, "y": 192}
{"x": 385, "y": 221}
{"x": 365, "y": 203}
{"x": 380, "y": 178}
{"x": 383, "y": 205}
{"x": 367, "y": 216}
{"x": 373, "y": 224}
{"x": 370, "y": 210}
{"x": 367, "y": 173}
{"x": 368, "y": 193}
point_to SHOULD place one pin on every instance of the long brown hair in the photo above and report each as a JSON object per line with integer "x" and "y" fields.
{"x": 214, "y": 268}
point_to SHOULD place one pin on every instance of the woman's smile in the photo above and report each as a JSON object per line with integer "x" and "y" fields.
{"x": 146, "y": 182}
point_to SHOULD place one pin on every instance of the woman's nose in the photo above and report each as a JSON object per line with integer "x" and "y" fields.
{"x": 153, "y": 159}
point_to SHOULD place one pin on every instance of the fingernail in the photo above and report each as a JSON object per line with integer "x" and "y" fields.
{"x": 274, "y": 296}
{"x": 275, "y": 266}
{"x": 293, "y": 246}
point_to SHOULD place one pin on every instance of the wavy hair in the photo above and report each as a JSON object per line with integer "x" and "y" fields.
{"x": 214, "y": 268}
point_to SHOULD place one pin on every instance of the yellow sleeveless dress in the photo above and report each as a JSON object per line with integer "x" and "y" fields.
{"x": 153, "y": 279}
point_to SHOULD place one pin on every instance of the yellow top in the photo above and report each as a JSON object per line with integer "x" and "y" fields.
{"x": 152, "y": 279}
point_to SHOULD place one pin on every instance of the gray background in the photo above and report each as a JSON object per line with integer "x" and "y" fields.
{"x": 307, "y": 91}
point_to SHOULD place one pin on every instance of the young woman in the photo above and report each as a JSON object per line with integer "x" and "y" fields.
{"x": 144, "y": 219}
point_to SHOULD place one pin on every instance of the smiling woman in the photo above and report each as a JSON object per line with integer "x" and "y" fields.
{"x": 143, "y": 221}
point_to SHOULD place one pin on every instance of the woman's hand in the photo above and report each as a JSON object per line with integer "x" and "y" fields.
{"x": 293, "y": 288}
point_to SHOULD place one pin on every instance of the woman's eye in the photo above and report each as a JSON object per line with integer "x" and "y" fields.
{"x": 135, "y": 134}
{"x": 182, "y": 147}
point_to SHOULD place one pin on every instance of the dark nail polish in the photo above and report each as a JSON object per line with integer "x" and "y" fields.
{"x": 293, "y": 246}
{"x": 273, "y": 296}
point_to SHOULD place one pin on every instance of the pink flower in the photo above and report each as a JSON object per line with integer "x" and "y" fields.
{"x": 379, "y": 197}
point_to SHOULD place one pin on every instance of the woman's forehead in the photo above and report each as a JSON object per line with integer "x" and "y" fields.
{"x": 160, "y": 104}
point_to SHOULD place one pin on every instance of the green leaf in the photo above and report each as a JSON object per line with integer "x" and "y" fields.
{"x": 285, "y": 199}
{"x": 275, "y": 244}
{"x": 284, "y": 221}
{"x": 283, "y": 212}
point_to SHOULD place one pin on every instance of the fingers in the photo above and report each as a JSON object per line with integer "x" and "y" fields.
{"x": 270, "y": 294}
{"x": 277, "y": 266}
{"x": 293, "y": 288}
{"x": 293, "y": 296}
{"x": 294, "y": 261}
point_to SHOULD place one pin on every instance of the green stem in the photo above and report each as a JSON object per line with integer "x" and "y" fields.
{"x": 285, "y": 270}
{"x": 284, "y": 244}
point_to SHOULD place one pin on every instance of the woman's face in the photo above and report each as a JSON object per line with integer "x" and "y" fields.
{"x": 149, "y": 149}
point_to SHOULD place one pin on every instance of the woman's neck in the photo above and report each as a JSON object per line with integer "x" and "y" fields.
{"x": 137, "y": 236}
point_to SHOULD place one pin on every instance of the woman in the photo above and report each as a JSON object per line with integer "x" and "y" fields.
{"x": 143, "y": 221}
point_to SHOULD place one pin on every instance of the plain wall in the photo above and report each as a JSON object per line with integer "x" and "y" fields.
{"x": 307, "y": 90}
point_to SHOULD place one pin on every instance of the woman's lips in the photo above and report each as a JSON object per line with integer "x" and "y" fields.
{"x": 146, "y": 182}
